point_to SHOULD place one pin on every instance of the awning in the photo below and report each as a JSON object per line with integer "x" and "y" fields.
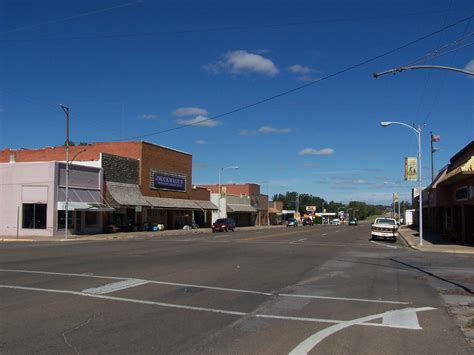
{"x": 119, "y": 194}
{"x": 172, "y": 203}
{"x": 206, "y": 205}
{"x": 180, "y": 204}
{"x": 84, "y": 206}
{"x": 240, "y": 208}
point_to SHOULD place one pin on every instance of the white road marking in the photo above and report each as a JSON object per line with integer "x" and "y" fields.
{"x": 341, "y": 298}
{"x": 385, "y": 245}
{"x": 202, "y": 286}
{"x": 115, "y": 286}
{"x": 205, "y": 309}
{"x": 307, "y": 345}
{"x": 324, "y": 234}
{"x": 405, "y": 318}
{"x": 302, "y": 239}
{"x": 149, "y": 281}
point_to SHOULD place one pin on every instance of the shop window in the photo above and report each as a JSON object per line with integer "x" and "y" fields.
{"x": 34, "y": 216}
{"x": 62, "y": 219}
{"x": 92, "y": 219}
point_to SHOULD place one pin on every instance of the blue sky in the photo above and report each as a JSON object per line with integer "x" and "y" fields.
{"x": 133, "y": 68}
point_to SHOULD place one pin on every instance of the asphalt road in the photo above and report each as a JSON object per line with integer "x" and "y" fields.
{"x": 318, "y": 290}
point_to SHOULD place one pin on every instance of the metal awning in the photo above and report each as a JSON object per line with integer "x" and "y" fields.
{"x": 172, "y": 203}
{"x": 120, "y": 194}
{"x": 180, "y": 204}
{"x": 84, "y": 206}
{"x": 206, "y": 205}
{"x": 240, "y": 208}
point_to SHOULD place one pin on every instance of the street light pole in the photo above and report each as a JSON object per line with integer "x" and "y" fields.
{"x": 417, "y": 132}
{"x": 66, "y": 212}
{"x": 221, "y": 170}
{"x": 414, "y": 67}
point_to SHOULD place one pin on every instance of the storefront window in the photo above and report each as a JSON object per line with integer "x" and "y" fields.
{"x": 34, "y": 215}
{"x": 62, "y": 219}
{"x": 92, "y": 219}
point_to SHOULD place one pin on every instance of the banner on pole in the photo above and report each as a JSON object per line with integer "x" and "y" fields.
{"x": 395, "y": 197}
{"x": 411, "y": 172}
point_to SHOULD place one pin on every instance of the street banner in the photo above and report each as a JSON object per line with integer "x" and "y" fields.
{"x": 411, "y": 173}
{"x": 395, "y": 197}
{"x": 223, "y": 191}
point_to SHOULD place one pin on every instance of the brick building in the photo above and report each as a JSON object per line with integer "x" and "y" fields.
{"x": 448, "y": 203}
{"x": 243, "y": 202}
{"x": 145, "y": 183}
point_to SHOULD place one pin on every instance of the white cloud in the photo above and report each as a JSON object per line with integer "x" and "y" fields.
{"x": 241, "y": 61}
{"x": 300, "y": 69}
{"x": 147, "y": 116}
{"x": 200, "y": 141}
{"x": 190, "y": 111}
{"x": 270, "y": 129}
{"x": 198, "y": 121}
{"x": 304, "y": 73}
{"x": 247, "y": 132}
{"x": 311, "y": 151}
{"x": 470, "y": 66}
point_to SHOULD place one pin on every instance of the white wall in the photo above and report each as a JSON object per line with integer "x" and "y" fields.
{"x": 26, "y": 183}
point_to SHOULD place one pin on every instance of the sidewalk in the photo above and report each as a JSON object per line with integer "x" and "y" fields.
{"x": 125, "y": 235}
{"x": 432, "y": 242}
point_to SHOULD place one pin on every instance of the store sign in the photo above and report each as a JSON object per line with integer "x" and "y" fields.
{"x": 166, "y": 181}
{"x": 411, "y": 169}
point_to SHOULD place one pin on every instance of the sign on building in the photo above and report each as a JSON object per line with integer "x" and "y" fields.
{"x": 411, "y": 169}
{"x": 168, "y": 181}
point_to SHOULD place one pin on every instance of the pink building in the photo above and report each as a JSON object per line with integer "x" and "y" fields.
{"x": 33, "y": 199}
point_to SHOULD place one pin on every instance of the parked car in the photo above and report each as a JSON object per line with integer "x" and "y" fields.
{"x": 292, "y": 222}
{"x": 308, "y": 222}
{"x": 385, "y": 228}
{"x": 223, "y": 225}
{"x": 353, "y": 222}
{"x": 336, "y": 221}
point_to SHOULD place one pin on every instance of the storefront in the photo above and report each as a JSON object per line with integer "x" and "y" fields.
{"x": 144, "y": 183}
{"x": 449, "y": 200}
{"x": 33, "y": 199}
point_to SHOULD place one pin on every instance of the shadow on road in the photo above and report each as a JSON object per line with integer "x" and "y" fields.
{"x": 467, "y": 289}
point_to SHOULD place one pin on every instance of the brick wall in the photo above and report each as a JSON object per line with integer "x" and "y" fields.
{"x": 236, "y": 189}
{"x": 120, "y": 169}
{"x": 86, "y": 152}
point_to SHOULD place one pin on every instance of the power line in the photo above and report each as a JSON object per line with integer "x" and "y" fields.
{"x": 19, "y": 29}
{"x": 211, "y": 29}
{"x": 284, "y": 93}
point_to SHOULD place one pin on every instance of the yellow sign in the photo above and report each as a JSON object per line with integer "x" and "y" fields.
{"x": 411, "y": 169}
{"x": 223, "y": 191}
{"x": 395, "y": 197}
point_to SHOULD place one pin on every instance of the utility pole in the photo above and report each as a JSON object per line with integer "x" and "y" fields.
{"x": 66, "y": 212}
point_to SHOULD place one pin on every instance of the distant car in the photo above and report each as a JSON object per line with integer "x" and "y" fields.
{"x": 353, "y": 222}
{"x": 292, "y": 222}
{"x": 336, "y": 221}
{"x": 385, "y": 228}
{"x": 223, "y": 225}
{"x": 308, "y": 222}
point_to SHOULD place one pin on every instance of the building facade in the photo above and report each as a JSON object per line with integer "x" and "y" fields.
{"x": 33, "y": 199}
{"x": 448, "y": 203}
{"x": 243, "y": 202}
{"x": 145, "y": 184}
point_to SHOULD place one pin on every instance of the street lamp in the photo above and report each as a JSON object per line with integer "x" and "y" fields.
{"x": 66, "y": 111}
{"x": 414, "y": 67}
{"x": 417, "y": 131}
{"x": 221, "y": 170}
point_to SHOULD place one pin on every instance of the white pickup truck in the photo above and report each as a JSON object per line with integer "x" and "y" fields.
{"x": 385, "y": 228}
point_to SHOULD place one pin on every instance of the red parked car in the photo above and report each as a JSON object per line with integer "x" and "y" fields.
{"x": 223, "y": 225}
